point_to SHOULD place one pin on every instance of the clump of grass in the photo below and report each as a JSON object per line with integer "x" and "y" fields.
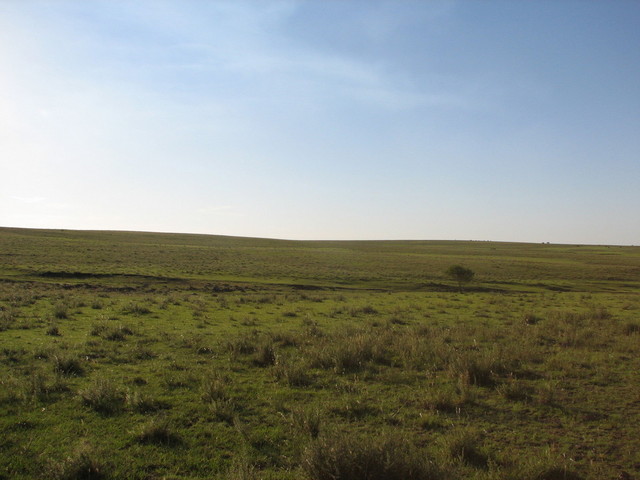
{"x": 158, "y": 431}
{"x": 514, "y": 390}
{"x": 242, "y": 469}
{"x": 556, "y": 473}
{"x": 449, "y": 399}
{"x": 214, "y": 387}
{"x": 249, "y": 322}
{"x": 182, "y": 380}
{"x": 224, "y": 410}
{"x": 215, "y": 392}
{"x": 547, "y": 393}
{"x": 354, "y": 408}
{"x": 285, "y": 339}
{"x": 141, "y": 352}
{"x": 98, "y": 329}
{"x": 242, "y": 345}
{"x": 134, "y": 308}
{"x": 569, "y": 329}
{"x": 265, "y": 354}
{"x": 307, "y": 421}
{"x": 542, "y": 467}
{"x": 103, "y": 397}
{"x": 83, "y": 464}
{"x": 599, "y": 314}
{"x": 61, "y": 311}
{"x": 141, "y": 402}
{"x": 97, "y": 304}
{"x": 197, "y": 343}
{"x": 464, "y": 445}
{"x": 363, "y": 310}
{"x": 118, "y": 333}
{"x": 293, "y": 373}
{"x": 312, "y": 329}
{"x": 531, "y": 319}
{"x": 38, "y": 387}
{"x": 631, "y": 328}
{"x": 348, "y": 457}
{"x": 352, "y": 351}
{"x": 11, "y": 390}
{"x": 482, "y": 368}
{"x": 68, "y": 365}
{"x": 111, "y": 332}
{"x": 397, "y": 319}
{"x": 53, "y": 331}
{"x": 416, "y": 351}
{"x": 7, "y": 318}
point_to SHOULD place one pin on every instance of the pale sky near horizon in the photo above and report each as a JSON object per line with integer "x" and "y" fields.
{"x": 482, "y": 120}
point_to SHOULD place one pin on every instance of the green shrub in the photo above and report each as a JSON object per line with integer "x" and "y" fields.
{"x": 460, "y": 274}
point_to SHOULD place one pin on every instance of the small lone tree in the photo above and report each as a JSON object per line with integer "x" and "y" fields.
{"x": 460, "y": 274}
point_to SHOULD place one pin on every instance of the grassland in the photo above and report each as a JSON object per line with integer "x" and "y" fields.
{"x": 150, "y": 356}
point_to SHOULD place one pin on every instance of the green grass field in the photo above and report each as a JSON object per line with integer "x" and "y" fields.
{"x": 169, "y": 356}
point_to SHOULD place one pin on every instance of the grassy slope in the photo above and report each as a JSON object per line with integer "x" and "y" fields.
{"x": 188, "y": 356}
{"x": 403, "y": 265}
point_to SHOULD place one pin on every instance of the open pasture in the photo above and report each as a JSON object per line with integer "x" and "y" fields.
{"x": 151, "y": 356}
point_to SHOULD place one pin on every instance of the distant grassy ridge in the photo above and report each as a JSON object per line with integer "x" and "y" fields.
{"x": 132, "y": 257}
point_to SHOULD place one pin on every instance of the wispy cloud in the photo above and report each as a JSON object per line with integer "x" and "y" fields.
{"x": 29, "y": 200}
{"x": 243, "y": 50}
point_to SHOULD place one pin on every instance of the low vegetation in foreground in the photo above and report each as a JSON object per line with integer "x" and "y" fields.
{"x": 145, "y": 356}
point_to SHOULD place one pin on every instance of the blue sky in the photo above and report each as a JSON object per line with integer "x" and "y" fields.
{"x": 485, "y": 120}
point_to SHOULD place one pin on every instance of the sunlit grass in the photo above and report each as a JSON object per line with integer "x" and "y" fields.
{"x": 176, "y": 374}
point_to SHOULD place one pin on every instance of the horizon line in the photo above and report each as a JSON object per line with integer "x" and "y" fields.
{"x": 376, "y": 240}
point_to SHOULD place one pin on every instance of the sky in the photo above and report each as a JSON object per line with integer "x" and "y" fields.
{"x": 337, "y": 119}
